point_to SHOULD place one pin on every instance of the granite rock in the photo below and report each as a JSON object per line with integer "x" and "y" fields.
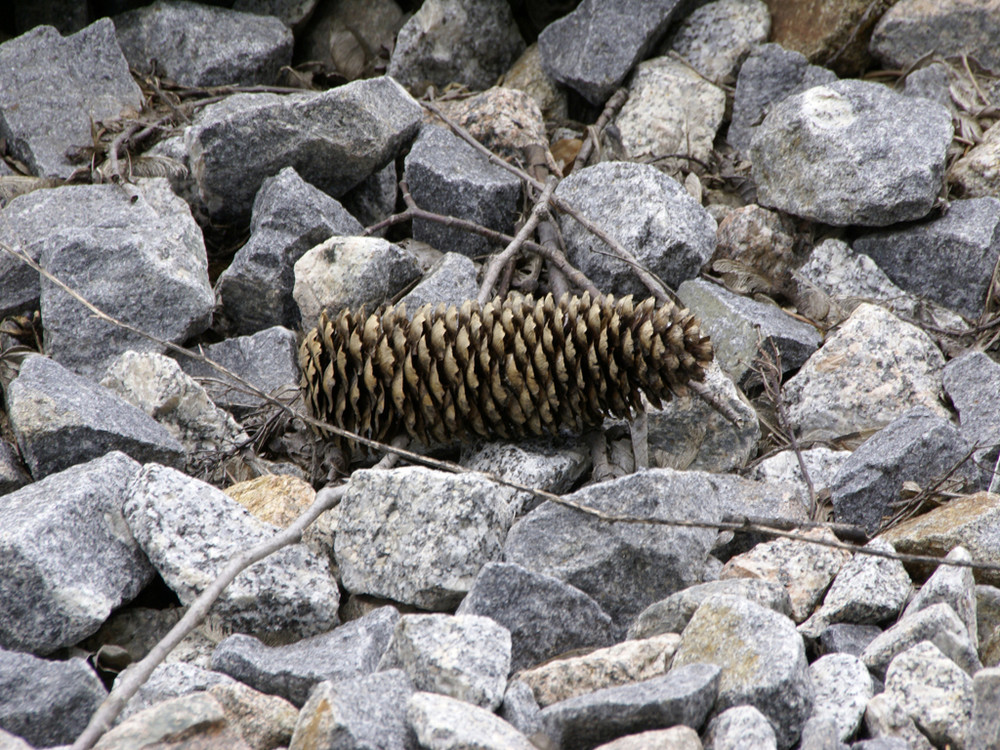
{"x": 843, "y": 689}
{"x": 846, "y": 638}
{"x": 972, "y": 382}
{"x": 984, "y": 730}
{"x": 197, "y": 717}
{"x": 740, "y": 727}
{"x": 954, "y": 586}
{"x": 886, "y": 719}
{"x": 976, "y": 172}
{"x": 443, "y": 723}
{"x": 520, "y": 710}
{"x": 451, "y": 281}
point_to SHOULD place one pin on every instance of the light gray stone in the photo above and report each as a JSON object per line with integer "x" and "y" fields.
{"x": 61, "y": 419}
{"x": 190, "y": 531}
{"x": 976, "y": 173}
{"x": 738, "y": 728}
{"x": 873, "y": 156}
{"x": 843, "y": 689}
{"x": 520, "y": 710}
{"x": 984, "y": 731}
{"x": 822, "y": 464}
{"x": 930, "y": 82}
{"x": 50, "y": 93}
{"x": 396, "y": 534}
{"x": 171, "y": 681}
{"x": 886, "y": 719}
{"x": 443, "y": 723}
{"x": 650, "y": 214}
{"x": 451, "y": 281}
{"x": 197, "y": 717}
{"x": 954, "y": 586}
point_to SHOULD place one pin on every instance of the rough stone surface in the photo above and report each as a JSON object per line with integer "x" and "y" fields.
{"x": 976, "y": 173}
{"x": 241, "y": 141}
{"x": 196, "y": 45}
{"x": 954, "y": 586}
{"x": 545, "y": 617}
{"x": 675, "y": 738}
{"x": 894, "y": 367}
{"x": 520, "y": 710}
{"x": 851, "y": 152}
{"x": 61, "y": 419}
{"x": 172, "y": 680}
{"x": 762, "y": 658}
{"x": 846, "y": 638}
{"x": 351, "y": 37}
{"x": 984, "y": 732}
{"x": 344, "y": 653}
{"x": 821, "y": 463}
{"x": 443, "y": 723}
{"x": 717, "y": 37}
{"x": 886, "y": 719}
{"x": 470, "y": 42}
{"x": 740, "y": 727}
{"x": 527, "y": 75}
{"x": 452, "y": 281}
{"x": 505, "y": 120}
{"x": 47, "y": 702}
{"x": 198, "y": 718}
{"x": 972, "y": 382}
{"x": 650, "y": 214}
{"x": 290, "y": 216}
{"x": 12, "y": 471}
{"x": 396, "y": 534}
{"x": 843, "y": 689}
{"x": 190, "y": 530}
{"x": 49, "y": 95}
{"x": 988, "y": 624}
{"x": 374, "y": 198}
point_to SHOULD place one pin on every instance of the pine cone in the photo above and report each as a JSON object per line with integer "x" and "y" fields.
{"x": 513, "y": 368}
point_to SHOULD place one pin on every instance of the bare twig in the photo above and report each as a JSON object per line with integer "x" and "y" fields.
{"x": 611, "y": 108}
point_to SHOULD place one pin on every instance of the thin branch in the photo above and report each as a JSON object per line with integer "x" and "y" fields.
{"x": 611, "y": 108}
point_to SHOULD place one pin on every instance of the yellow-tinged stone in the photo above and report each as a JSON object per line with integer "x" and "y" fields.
{"x": 679, "y": 737}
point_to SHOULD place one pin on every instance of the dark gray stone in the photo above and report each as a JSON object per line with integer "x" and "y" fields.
{"x": 545, "y": 616}
{"x": 363, "y": 713}
{"x": 452, "y": 281}
{"x": 593, "y": 48}
{"x": 198, "y": 45}
{"x": 847, "y": 638}
{"x": 919, "y": 446}
{"x": 520, "y": 709}
{"x": 447, "y": 176}
{"x": 852, "y": 152}
{"x": 350, "y": 651}
{"x": 972, "y": 382}
{"x": 12, "y": 471}
{"x": 334, "y": 139}
{"x": 290, "y": 216}
{"x": 930, "y": 82}
{"x": 47, "y": 702}
{"x": 374, "y": 198}
{"x": 769, "y": 74}
{"x": 650, "y": 214}
{"x": 66, "y": 557}
{"x": 949, "y": 260}
{"x": 624, "y": 566}
{"x": 53, "y": 88}
{"x": 61, "y": 419}
{"x": 682, "y": 696}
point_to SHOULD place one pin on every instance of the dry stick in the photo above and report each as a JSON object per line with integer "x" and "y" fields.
{"x": 611, "y": 108}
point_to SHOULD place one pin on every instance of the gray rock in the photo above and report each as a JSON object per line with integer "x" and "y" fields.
{"x": 769, "y": 75}
{"x": 883, "y": 743}
{"x": 933, "y": 691}
{"x": 948, "y": 259}
{"x": 886, "y": 719}
{"x": 954, "y": 586}
{"x": 463, "y": 656}
{"x": 545, "y": 616}
{"x": 197, "y": 45}
{"x": 350, "y": 272}
{"x": 451, "y": 281}
{"x": 171, "y": 680}
{"x": 762, "y": 658}
{"x": 930, "y": 82}
{"x": 938, "y": 624}
{"x": 984, "y": 731}
{"x": 190, "y": 531}
{"x": 396, "y": 534}
{"x": 241, "y": 141}
{"x": 740, "y": 727}
{"x": 350, "y": 651}
{"x": 290, "y": 216}
{"x": 673, "y": 613}
{"x": 480, "y": 36}
{"x": 443, "y": 723}
{"x": 683, "y": 696}
{"x": 368, "y": 711}
{"x": 447, "y": 176}
{"x": 843, "y": 689}
{"x": 291, "y": 12}
{"x": 820, "y": 733}
{"x": 47, "y": 702}
{"x": 61, "y": 419}
{"x": 520, "y": 710}
{"x": 847, "y": 638}
{"x": 623, "y": 566}
{"x": 374, "y": 198}
{"x": 741, "y": 327}
{"x": 951, "y": 28}
{"x": 196, "y": 717}
{"x": 593, "y": 48}
{"x": 974, "y": 174}
{"x": 68, "y": 558}
{"x": 919, "y": 446}
{"x": 52, "y": 89}
{"x": 12, "y": 471}
{"x": 650, "y": 214}
{"x": 972, "y": 382}
{"x": 821, "y": 463}
{"x": 10, "y": 741}
{"x": 851, "y": 152}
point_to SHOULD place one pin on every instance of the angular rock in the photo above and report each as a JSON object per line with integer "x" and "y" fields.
{"x": 821, "y": 463}
{"x": 350, "y": 272}
{"x": 954, "y": 586}
{"x": 345, "y": 653}
{"x": 352, "y": 38}
{"x": 623, "y": 566}
{"x": 930, "y": 82}
{"x": 443, "y": 723}
{"x": 190, "y": 530}
{"x": 650, "y": 214}
{"x": 447, "y": 176}
{"x": 527, "y": 75}
{"x": 61, "y": 419}
{"x": 933, "y": 691}
{"x": 739, "y": 727}
{"x": 470, "y": 42}
{"x": 622, "y": 664}
{"x": 894, "y": 367}
{"x": 545, "y": 617}
{"x": 987, "y": 623}
{"x": 593, "y": 48}
{"x": 333, "y": 139}
{"x": 172, "y": 680}
{"x": 976, "y": 173}
{"x": 396, "y": 534}
{"x": 984, "y": 731}
{"x": 12, "y": 472}
{"x": 464, "y": 656}
{"x": 197, "y": 717}
{"x": 843, "y": 689}
{"x": 196, "y": 45}
{"x": 50, "y": 93}
{"x": 875, "y": 157}
{"x": 886, "y": 719}
{"x": 846, "y": 638}
{"x": 290, "y": 216}
{"x": 683, "y": 696}
{"x": 374, "y": 198}
{"x": 972, "y": 382}
{"x": 679, "y": 737}
{"x": 768, "y": 75}
{"x": 762, "y": 658}
{"x": 47, "y": 702}
{"x": 505, "y": 120}
{"x": 742, "y": 327}
{"x": 673, "y": 613}
{"x": 452, "y": 281}
{"x": 520, "y": 710}
{"x": 820, "y": 733}
{"x": 364, "y": 712}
